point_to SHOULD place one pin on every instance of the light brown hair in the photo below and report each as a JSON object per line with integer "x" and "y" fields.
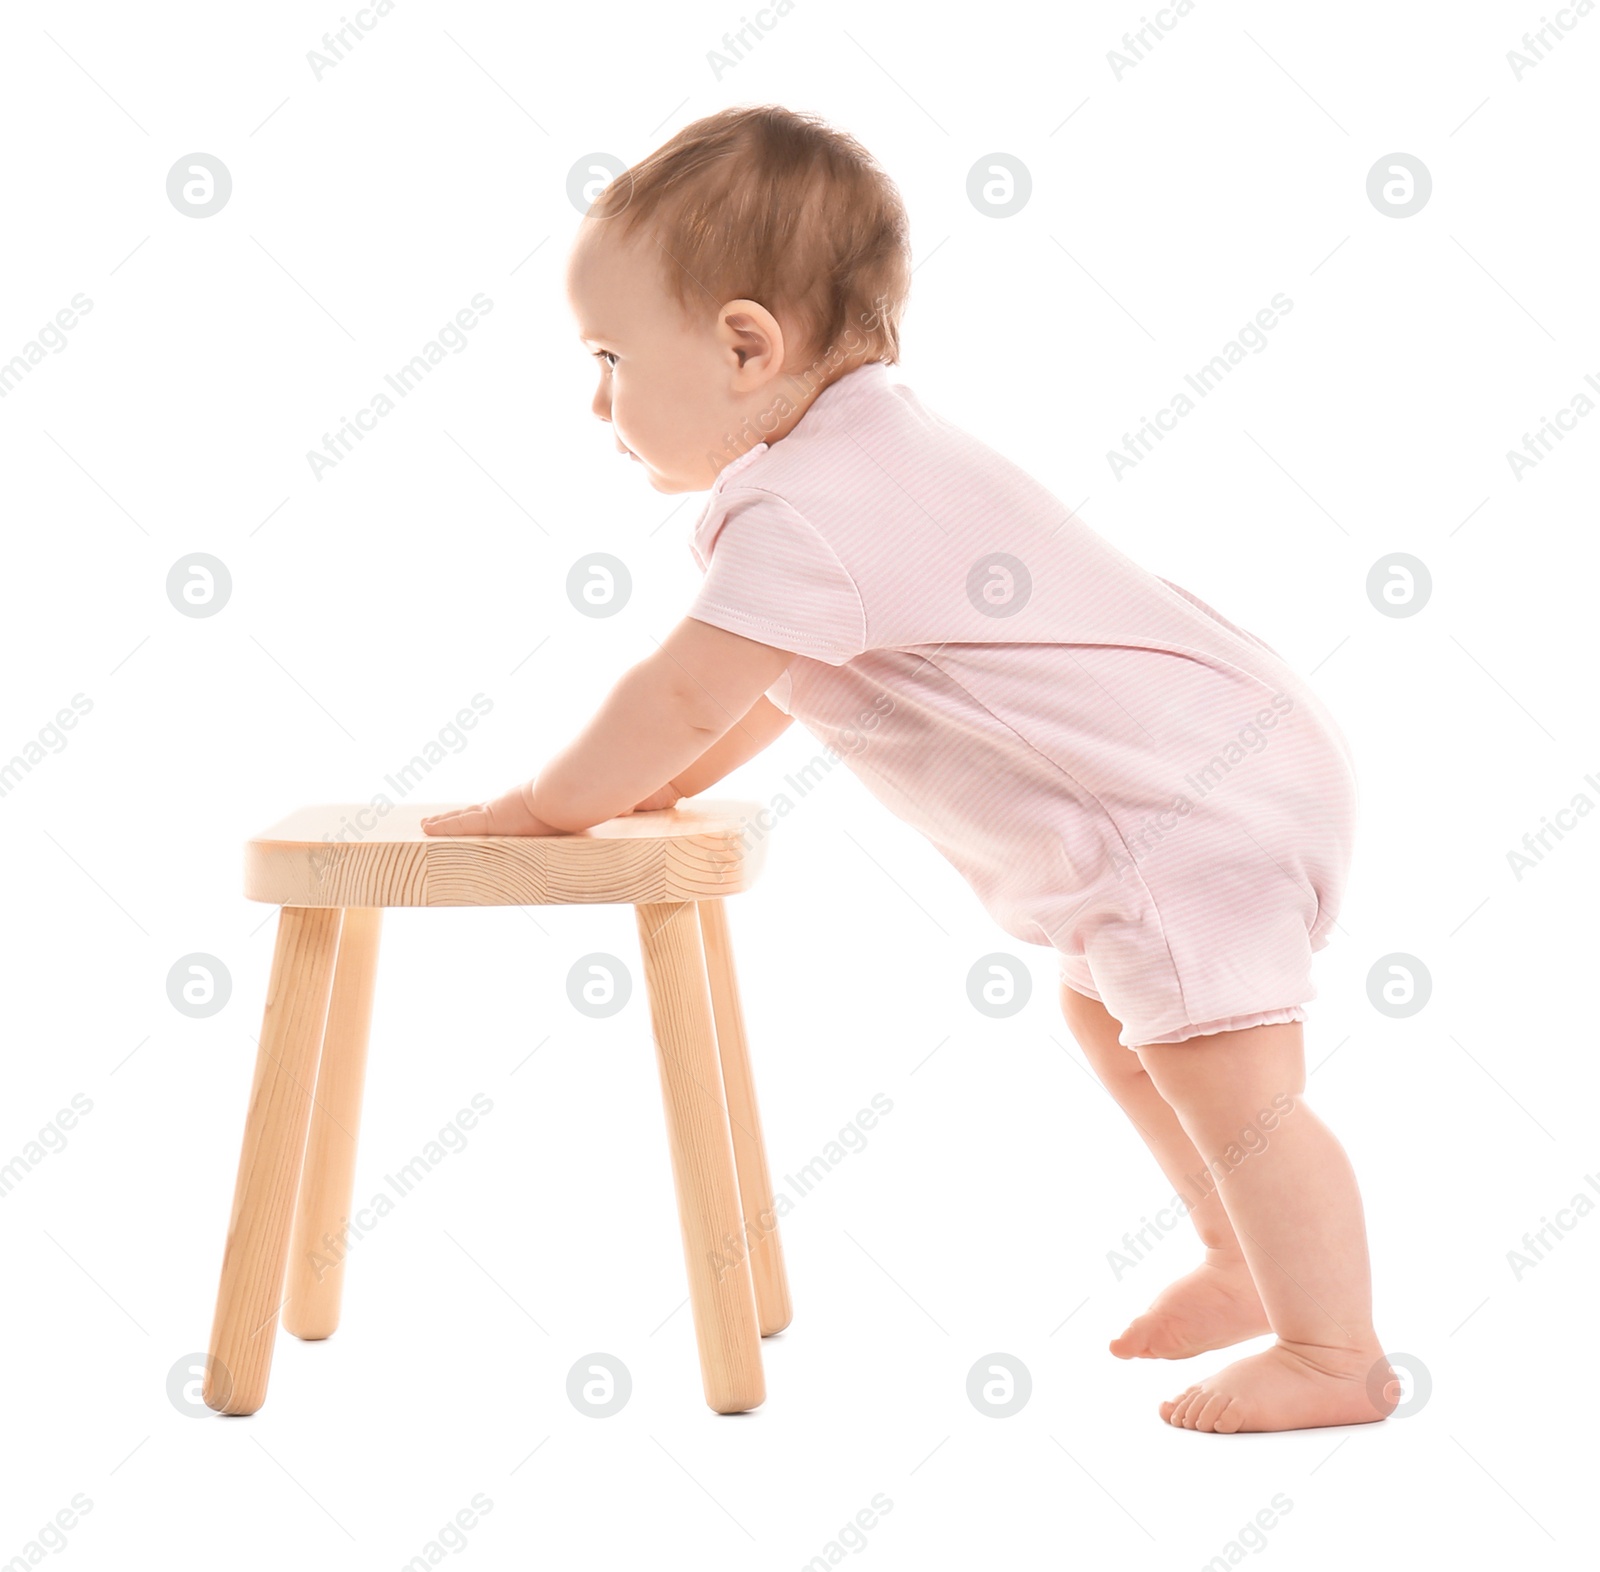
{"x": 763, "y": 203}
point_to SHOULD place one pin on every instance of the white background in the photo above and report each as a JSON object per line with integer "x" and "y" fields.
{"x": 369, "y": 606}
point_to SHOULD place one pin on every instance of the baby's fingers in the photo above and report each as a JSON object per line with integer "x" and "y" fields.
{"x": 458, "y": 821}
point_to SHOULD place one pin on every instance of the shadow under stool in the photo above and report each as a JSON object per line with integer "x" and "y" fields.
{"x": 297, "y": 1163}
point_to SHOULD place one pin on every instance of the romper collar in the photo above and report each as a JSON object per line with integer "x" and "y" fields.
{"x": 871, "y": 377}
{"x": 735, "y": 465}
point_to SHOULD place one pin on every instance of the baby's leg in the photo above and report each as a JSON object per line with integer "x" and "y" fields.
{"x": 1216, "y": 1305}
{"x": 1291, "y": 1196}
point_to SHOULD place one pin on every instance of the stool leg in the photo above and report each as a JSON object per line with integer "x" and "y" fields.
{"x": 248, "y": 1296}
{"x": 703, "y": 1170}
{"x": 749, "y": 1148}
{"x": 322, "y": 1214}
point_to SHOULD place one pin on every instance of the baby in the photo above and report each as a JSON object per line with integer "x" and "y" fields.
{"x": 1119, "y": 771}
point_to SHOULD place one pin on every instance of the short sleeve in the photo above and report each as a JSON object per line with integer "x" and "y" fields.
{"x": 781, "y": 693}
{"x": 772, "y": 577}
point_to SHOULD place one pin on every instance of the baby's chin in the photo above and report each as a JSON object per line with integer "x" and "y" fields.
{"x": 666, "y": 484}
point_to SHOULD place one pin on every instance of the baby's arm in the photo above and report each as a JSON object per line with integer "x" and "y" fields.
{"x": 765, "y": 723}
{"x": 664, "y": 718}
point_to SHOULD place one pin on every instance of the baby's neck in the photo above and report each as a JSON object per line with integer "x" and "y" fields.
{"x": 800, "y": 389}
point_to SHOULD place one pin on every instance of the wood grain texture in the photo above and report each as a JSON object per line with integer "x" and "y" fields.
{"x": 703, "y": 1170}
{"x": 744, "y": 1119}
{"x": 249, "y": 1294}
{"x": 322, "y": 1213}
{"x": 347, "y": 855}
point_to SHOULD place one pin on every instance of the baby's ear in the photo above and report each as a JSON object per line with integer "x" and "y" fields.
{"x": 751, "y": 335}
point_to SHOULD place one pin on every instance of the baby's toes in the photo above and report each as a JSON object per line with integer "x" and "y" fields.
{"x": 1230, "y": 1419}
{"x": 1173, "y": 1412}
{"x": 1207, "y": 1414}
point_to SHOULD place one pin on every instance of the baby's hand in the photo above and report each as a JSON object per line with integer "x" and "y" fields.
{"x": 666, "y": 796}
{"x": 506, "y": 815}
{"x": 510, "y": 815}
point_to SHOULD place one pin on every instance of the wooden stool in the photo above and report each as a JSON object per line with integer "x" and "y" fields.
{"x": 674, "y": 867}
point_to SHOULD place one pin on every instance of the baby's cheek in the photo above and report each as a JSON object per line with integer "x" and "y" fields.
{"x": 660, "y": 432}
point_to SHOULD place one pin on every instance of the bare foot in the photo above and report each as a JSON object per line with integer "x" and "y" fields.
{"x": 1286, "y": 1388}
{"x": 1215, "y": 1306}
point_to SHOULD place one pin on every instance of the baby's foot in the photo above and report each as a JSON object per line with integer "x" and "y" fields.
{"x": 1287, "y": 1388}
{"x": 1215, "y": 1306}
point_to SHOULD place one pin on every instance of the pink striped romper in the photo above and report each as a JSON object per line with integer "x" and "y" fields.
{"x": 1117, "y": 770}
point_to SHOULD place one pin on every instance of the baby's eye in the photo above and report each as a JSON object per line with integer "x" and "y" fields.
{"x": 606, "y": 358}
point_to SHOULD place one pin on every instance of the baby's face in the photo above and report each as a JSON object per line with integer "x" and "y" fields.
{"x": 672, "y": 389}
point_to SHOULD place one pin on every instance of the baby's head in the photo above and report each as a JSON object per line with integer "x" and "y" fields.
{"x": 730, "y": 276}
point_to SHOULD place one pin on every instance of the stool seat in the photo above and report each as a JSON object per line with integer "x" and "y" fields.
{"x": 331, "y": 869}
{"x": 347, "y": 854}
